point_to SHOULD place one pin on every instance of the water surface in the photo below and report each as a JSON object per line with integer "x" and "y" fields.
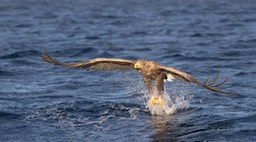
{"x": 43, "y": 102}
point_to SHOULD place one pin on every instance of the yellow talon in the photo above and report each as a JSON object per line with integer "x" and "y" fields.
{"x": 156, "y": 101}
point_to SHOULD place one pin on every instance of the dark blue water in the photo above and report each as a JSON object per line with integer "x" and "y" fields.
{"x": 43, "y": 102}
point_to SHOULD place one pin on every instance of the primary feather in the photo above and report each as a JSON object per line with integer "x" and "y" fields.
{"x": 94, "y": 64}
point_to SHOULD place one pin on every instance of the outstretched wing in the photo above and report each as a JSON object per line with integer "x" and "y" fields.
{"x": 175, "y": 73}
{"x": 95, "y": 64}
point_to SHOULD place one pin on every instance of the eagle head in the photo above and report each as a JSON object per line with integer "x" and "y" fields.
{"x": 139, "y": 64}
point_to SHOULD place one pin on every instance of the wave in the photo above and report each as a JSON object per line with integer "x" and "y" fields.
{"x": 89, "y": 52}
{"x": 8, "y": 115}
{"x": 7, "y": 73}
{"x": 197, "y": 58}
{"x": 83, "y": 51}
{"x": 20, "y": 54}
{"x": 83, "y": 113}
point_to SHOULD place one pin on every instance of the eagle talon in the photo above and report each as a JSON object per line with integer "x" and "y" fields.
{"x": 156, "y": 101}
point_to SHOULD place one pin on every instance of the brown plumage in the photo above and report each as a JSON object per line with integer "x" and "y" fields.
{"x": 150, "y": 70}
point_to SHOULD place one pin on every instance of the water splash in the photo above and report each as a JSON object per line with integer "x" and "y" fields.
{"x": 179, "y": 99}
{"x": 171, "y": 105}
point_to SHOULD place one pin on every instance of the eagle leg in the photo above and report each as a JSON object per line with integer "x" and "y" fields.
{"x": 160, "y": 85}
{"x": 148, "y": 83}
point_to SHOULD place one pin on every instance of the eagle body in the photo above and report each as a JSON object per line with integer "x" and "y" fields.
{"x": 150, "y": 70}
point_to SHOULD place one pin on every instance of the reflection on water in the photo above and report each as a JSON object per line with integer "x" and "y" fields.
{"x": 164, "y": 129}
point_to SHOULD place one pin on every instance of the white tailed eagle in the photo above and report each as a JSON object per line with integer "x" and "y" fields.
{"x": 150, "y": 70}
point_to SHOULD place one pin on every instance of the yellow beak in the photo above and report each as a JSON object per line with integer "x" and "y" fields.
{"x": 136, "y": 66}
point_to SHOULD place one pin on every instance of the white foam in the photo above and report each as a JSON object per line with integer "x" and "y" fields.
{"x": 171, "y": 105}
{"x": 179, "y": 99}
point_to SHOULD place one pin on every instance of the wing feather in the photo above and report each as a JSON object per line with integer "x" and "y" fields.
{"x": 178, "y": 74}
{"x": 95, "y": 64}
